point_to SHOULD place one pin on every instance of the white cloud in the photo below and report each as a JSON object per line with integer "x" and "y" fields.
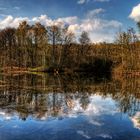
{"x": 16, "y": 8}
{"x": 102, "y": 0}
{"x": 81, "y": 1}
{"x": 105, "y": 136}
{"x": 85, "y": 1}
{"x": 136, "y": 120}
{"x": 10, "y": 21}
{"x": 99, "y": 29}
{"x": 83, "y": 134}
{"x": 95, "y": 12}
{"x": 135, "y": 14}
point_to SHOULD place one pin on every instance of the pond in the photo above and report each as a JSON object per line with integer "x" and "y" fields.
{"x": 69, "y": 107}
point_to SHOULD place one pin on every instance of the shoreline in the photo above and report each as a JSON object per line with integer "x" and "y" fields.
{"x": 17, "y": 70}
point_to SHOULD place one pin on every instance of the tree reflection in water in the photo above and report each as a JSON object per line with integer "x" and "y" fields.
{"x": 53, "y": 95}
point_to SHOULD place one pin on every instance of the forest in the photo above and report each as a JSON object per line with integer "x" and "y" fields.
{"x": 37, "y": 48}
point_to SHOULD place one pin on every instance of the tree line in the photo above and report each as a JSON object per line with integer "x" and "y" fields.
{"x": 37, "y": 46}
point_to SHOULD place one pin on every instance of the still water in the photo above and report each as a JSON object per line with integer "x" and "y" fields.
{"x": 69, "y": 107}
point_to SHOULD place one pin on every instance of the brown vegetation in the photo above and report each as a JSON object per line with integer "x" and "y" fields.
{"x": 54, "y": 49}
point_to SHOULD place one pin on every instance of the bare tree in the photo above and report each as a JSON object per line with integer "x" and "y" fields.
{"x": 21, "y": 33}
{"x": 84, "y": 45}
{"x": 84, "y": 38}
{"x": 54, "y": 36}
{"x": 40, "y": 40}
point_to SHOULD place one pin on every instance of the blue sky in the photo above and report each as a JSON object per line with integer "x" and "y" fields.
{"x": 104, "y": 11}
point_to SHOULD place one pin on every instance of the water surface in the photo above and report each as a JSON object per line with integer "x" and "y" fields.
{"x": 69, "y": 107}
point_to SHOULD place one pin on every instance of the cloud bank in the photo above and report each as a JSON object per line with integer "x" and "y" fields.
{"x": 99, "y": 29}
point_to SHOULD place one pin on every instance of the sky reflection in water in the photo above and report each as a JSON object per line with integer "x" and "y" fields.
{"x": 100, "y": 119}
